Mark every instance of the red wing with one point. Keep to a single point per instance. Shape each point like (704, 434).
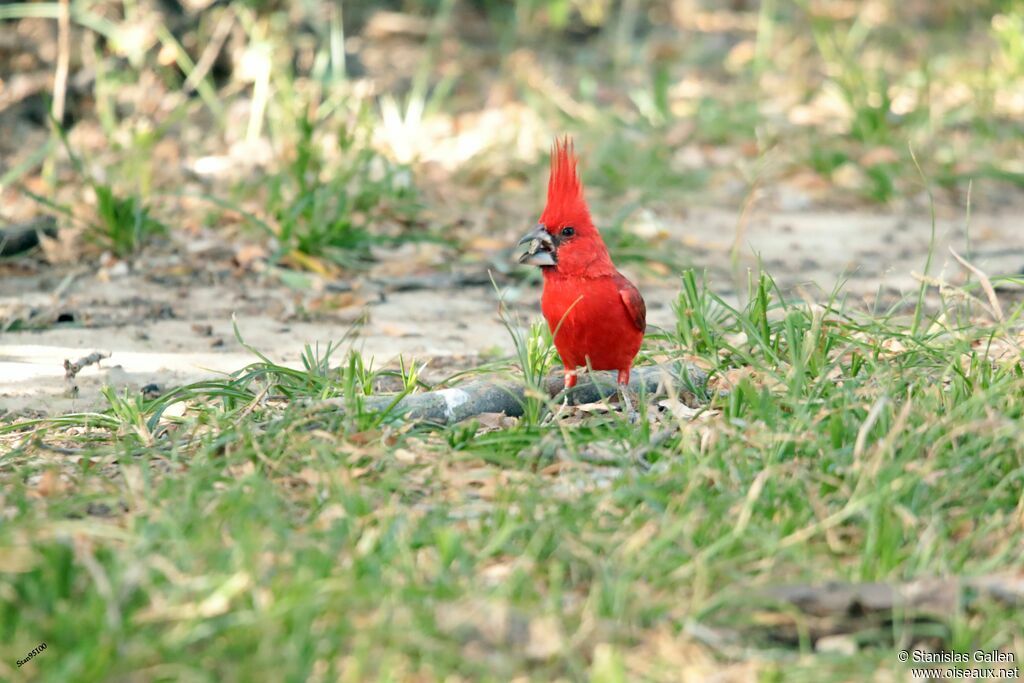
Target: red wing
(635, 305)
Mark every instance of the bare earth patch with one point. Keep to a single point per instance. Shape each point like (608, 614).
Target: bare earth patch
(170, 330)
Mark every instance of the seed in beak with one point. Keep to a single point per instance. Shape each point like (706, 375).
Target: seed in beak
(541, 249)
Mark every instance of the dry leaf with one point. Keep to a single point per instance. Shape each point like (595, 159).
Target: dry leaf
(879, 155)
(405, 456)
(490, 422)
(242, 470)
(313, 478)
(330, 514)
(249, 255)
(66, 247)
(215, 604)
(50, 484)
(499, 626)
(487, 244)
(335, 302)
(301, 261)
(597, 408)
(17, 559)
(678, 409)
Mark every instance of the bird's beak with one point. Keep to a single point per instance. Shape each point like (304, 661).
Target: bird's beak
(541, 251)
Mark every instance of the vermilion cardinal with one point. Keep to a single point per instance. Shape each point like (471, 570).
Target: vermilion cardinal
(597, 317)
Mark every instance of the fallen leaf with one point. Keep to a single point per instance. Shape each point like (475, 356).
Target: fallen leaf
(405, 456)
(487, 244)
(678, 409)
(242, 470)
(17, 559)
(248, 255)
(490, 422)
(50, 484)
(500, 626)
(879, 155)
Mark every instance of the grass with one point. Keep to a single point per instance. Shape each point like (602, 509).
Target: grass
(340, 172)
(122, 221)
(229, 530)
(329, 208)
(224, 530)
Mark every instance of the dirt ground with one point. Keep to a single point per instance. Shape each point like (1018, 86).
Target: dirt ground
(168, 321)
(166, 327)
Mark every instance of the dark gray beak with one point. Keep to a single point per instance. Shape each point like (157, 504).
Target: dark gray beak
(541, 251)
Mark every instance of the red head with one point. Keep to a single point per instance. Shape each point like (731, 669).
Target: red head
(566, 205)
(571, 245)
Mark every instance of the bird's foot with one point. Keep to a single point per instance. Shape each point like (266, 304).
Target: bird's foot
(564, 406)
(556, 416)
(632, 416)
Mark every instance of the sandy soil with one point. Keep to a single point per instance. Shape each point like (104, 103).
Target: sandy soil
(168, 330)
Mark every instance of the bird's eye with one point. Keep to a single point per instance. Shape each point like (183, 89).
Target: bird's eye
(568, 232)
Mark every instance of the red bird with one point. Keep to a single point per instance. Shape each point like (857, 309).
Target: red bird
(597, 317)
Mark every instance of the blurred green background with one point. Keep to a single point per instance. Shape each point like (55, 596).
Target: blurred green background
(329, 127)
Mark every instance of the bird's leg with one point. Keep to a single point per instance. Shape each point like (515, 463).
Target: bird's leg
(570, 382)
(623, 384)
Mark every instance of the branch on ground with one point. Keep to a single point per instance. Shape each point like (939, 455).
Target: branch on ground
(448, 406)
(20, 237)
(412, 283)
(831, 609)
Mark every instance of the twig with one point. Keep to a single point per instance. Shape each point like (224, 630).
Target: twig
(639, 454)
(206, 60)
(838, 608)
(58, 449)
(986, 284)
(411, 283)
(72, 369)
(60, 77)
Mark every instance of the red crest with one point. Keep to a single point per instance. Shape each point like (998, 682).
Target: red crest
(566, 205)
